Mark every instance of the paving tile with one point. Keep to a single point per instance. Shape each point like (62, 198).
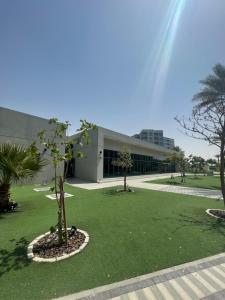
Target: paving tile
(194, 280)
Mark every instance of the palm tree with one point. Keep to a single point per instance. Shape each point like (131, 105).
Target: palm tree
(214, 88)
(16, 163)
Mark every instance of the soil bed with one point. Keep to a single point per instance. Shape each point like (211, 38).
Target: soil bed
(217, 213)
(48, 246)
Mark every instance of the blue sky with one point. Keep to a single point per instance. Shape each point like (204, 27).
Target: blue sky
(122, 64)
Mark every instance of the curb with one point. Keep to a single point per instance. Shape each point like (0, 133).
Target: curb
(31, 255)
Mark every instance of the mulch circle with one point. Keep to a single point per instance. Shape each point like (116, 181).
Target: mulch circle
(217, 213)
(48, 246)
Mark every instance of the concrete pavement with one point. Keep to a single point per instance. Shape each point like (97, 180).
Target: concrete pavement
(141, 182)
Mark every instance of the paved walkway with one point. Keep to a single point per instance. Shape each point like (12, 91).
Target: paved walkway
(215, 194)
(140, 182)
(201, 279)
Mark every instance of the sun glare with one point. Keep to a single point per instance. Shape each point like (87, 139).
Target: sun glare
(156, 69)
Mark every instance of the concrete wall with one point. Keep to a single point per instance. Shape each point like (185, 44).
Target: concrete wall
(86, 167)
(21, 128)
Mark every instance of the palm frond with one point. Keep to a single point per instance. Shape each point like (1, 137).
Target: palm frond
(18, 162)
(214, 88)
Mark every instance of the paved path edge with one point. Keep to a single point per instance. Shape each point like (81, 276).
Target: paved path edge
(132, 284)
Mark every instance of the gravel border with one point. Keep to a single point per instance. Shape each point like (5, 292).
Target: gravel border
(210, 214)
(31, 255)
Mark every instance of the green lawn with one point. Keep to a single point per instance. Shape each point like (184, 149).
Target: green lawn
(206, 182)
(130, 234)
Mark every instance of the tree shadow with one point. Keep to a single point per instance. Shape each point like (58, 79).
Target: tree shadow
(206, 224)
(195, 178)
(113, 192)
(15, 259)
(4, 215)
(170, 182)
(118, 192)
(214, 187)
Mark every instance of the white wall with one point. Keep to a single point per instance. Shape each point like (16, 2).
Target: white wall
(21, 128)
(86, 167)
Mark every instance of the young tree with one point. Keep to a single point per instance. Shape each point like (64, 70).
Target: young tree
(197, 164)
(213, 165)
(177, 149)
(125, 162)
(181, 163)
(207, 121)
(206, 169)
(16, 163)
(211, 161)
(60, 148)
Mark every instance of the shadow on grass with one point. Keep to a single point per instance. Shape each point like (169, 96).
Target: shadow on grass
(173, 182)
(113, 192)
(3, 215)
(195, 178)
(118, 191)
(15, 259)
(215, 187)
(206, 224)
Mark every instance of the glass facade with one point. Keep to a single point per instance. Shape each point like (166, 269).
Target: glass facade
(142, 164)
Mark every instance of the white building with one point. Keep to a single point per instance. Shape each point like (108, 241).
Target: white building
(155, 137)
(148, 158)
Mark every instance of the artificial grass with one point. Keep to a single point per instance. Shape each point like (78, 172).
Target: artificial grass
(205, 182)
(130, 234)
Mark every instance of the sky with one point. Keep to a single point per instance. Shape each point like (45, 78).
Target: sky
(121, 64)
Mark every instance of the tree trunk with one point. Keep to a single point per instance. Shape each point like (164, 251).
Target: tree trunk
(222, 171)
(195, 173)
(59, 202)
(184, 177)
(125, 181)
(62, 200)
(59, 225)
(55, 182)
(181, 177)
(4, 196)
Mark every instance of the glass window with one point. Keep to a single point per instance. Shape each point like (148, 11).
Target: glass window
(142, 164)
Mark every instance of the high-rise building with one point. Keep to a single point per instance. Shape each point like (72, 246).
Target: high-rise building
(168, 143)
(155, 137)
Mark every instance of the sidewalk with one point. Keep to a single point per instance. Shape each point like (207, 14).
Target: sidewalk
(215, 194)
(109, 182)
(200, 279)
(141, 182)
